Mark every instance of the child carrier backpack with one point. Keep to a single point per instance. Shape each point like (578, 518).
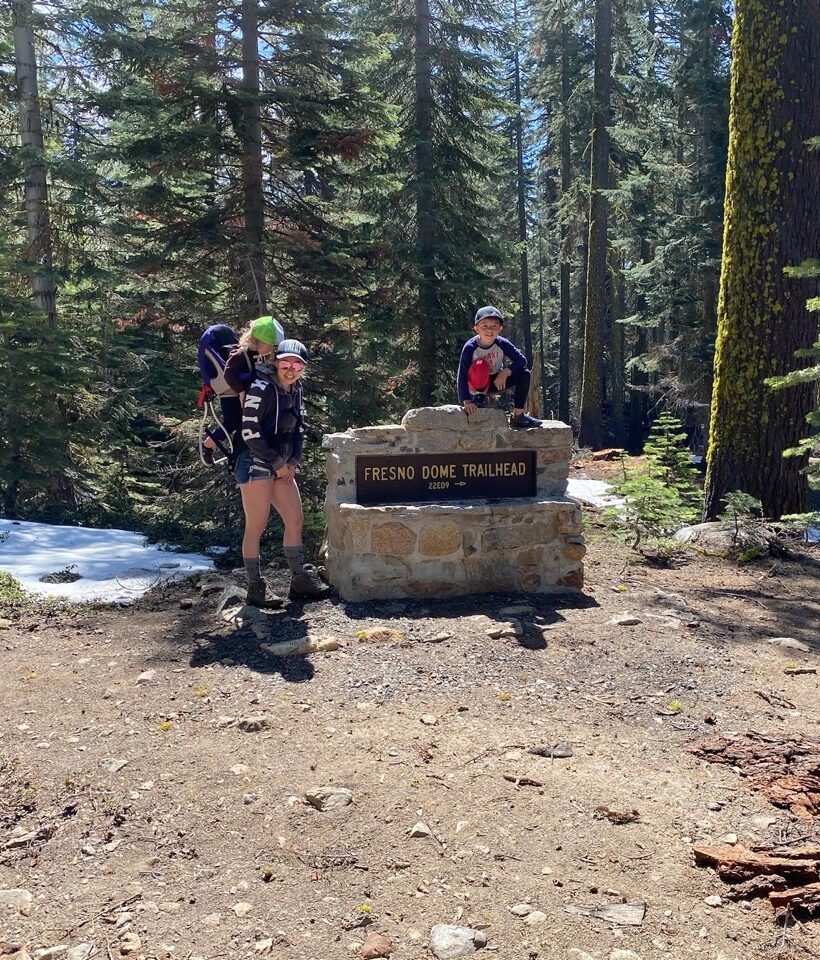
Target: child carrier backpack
(215, 346)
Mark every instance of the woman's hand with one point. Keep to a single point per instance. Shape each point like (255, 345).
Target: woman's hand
(286, 472)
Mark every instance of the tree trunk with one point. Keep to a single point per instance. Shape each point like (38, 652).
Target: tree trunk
(253, 194)
(31, 136)
(772, 220)
(521, 186)
(566, 182)
(427, 313)
(591, 434)
(618, 351)
(638, 379)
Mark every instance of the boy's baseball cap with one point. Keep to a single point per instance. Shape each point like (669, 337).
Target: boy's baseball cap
(483, 312)
(267, 330)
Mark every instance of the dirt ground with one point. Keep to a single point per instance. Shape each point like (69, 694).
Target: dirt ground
(154, 763)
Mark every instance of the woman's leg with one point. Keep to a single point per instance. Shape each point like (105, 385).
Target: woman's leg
(285, 498)
(256, 503)
(305, 583)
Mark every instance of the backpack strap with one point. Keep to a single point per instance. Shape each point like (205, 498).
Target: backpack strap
(218, 383)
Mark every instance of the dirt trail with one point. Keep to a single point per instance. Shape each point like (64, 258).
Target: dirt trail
(154, 763)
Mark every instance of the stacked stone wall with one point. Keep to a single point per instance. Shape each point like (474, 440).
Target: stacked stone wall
(449, 548)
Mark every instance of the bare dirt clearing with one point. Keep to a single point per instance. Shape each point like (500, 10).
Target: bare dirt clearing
(155, 761)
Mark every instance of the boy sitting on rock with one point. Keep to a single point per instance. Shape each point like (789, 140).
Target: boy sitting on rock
(481, 369)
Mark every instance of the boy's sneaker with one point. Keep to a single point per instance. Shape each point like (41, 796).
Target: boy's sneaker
(308, 586)
(524, 421)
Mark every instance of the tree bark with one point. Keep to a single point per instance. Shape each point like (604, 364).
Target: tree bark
(771, 221)
(521, 186)
(36, 189)
(566, 182)
(428, 299)
(591, 433)
(255, 288)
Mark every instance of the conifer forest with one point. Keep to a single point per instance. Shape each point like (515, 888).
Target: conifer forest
(634, 183)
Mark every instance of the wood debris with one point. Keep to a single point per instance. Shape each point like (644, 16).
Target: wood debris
(786, 770)
(788, 876)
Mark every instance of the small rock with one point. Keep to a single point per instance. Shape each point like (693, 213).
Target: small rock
(534, 918)
(263, 946)
(146, 676)
(576, 954)
(438, 637)
(547, 871)
(18, 899)
(249, 798)
(242, 909)
(329, 798)
(212, 920)
(789, 643)
(381, 635)
(623, 955)
(376, 945)
(130, 943)
(448, 942)
(186, 604)
(624, 620)
(113, 764)
(49, 953)
(420, 830)
(713, 901)
(428, 719)
(239, 769)
(254, 724)
(520, 909)
(730, 838)
(83, 951)
(714, 805)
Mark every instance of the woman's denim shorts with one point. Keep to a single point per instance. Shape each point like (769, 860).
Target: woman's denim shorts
(248, 468)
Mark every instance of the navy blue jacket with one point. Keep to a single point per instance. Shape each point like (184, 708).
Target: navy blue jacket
(499, 349)
(272, 422)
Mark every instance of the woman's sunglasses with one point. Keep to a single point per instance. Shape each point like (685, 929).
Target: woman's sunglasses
(290, 365)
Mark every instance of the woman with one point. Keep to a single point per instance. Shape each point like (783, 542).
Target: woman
(273, 429)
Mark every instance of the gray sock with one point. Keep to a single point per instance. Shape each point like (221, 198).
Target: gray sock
(252, 568)
(295, 559)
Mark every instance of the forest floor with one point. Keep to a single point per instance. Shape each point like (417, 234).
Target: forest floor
(154, 764)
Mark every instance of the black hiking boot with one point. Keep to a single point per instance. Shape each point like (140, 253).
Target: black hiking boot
(256, 596)
(524, 421)
(308, 586)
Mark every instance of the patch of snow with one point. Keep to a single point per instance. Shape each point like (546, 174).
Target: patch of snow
(595, 492)
(115, 566)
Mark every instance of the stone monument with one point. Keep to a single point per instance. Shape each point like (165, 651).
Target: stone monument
(444, 504)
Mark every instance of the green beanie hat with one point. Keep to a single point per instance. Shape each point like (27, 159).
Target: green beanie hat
(267, 330)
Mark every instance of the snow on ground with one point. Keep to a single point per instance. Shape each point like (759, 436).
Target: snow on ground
(115, 566)
(595, 492)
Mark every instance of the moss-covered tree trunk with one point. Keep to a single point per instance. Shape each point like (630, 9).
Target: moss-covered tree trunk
(591, 433)
(771, 220)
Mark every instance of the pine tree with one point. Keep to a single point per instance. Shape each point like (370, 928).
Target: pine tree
(772, 221)
(591, 433)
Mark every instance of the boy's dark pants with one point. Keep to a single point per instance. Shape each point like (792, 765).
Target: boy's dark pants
(520, 383)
